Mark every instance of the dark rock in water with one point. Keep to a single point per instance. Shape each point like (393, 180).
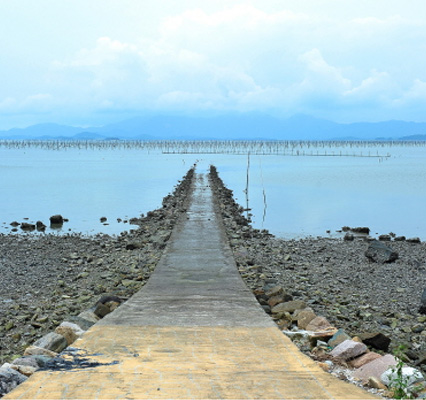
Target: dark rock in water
(56, 220)
(380, 253)
(422, 309)
(362, 229)
(385, 238)
(346, 229)
(414, 240)
(349, 237)
(15, 224)
(376, 340)
(25, 226)
(399, 239)
(40, 226)
(103, 219)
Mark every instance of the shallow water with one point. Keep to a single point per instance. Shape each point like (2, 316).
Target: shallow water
(292, 196)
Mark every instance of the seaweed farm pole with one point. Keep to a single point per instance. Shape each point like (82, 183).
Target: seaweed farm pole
(247, 183)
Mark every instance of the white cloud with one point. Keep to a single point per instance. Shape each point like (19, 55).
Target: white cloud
(381, 22)
(244, 15)
(235, 56)
(378, 87)
(323, 84)
(415, 95)
(8, 104)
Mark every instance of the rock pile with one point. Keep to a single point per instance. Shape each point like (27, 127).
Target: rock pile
(41, 353)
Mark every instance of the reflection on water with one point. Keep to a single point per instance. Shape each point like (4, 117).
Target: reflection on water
(297, 194)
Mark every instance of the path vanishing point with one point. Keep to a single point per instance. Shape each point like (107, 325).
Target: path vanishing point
(194, 331)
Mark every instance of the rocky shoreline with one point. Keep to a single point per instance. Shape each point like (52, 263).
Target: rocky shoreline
(47, 278)
(335, 278)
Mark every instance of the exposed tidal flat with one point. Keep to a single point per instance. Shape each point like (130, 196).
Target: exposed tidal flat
(48, 277)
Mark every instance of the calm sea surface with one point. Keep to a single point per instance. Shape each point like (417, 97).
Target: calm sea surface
(291, 195)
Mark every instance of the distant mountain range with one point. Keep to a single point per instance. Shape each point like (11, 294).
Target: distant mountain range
(249, 126)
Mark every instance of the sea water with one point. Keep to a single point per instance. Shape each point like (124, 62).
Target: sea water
(292, 194)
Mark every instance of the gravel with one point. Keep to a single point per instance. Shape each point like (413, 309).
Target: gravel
(47, 278)
(335, 277)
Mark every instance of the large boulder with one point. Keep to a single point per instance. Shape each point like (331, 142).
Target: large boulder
(380, 253)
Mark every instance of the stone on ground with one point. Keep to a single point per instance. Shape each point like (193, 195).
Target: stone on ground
(53, 342)
(409, 376)
(380, 253)
(375, 368)
(348, 350)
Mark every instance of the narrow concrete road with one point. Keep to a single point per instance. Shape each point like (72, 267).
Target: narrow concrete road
(193, 332)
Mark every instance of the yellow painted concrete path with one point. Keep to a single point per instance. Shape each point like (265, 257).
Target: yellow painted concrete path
(193, 332)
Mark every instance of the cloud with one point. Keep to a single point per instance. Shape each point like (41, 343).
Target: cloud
(8, 104)
(227, 56)
(243, 15)
(415, 95)
(35, 103)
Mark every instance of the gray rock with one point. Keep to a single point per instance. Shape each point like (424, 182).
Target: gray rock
(9, 379)
(349, 237)
(77, 330)
(53, 342)
(304, 317)
(339, 337)
(41, 360)
(422, 309)
(348, 349)
(380, 253)
(289, 306)
(101, 310)
(83, 323)
(409, 376)
(89, 315)
(27, 361)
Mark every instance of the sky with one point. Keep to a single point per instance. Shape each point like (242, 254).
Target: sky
(92, 62)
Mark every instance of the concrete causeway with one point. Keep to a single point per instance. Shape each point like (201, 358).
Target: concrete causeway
(195, 331)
